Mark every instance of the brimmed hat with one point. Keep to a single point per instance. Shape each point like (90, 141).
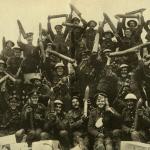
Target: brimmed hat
(9, 41)
(36, 76)
(58, 26)
(59, 65)
(123, 66)
(92, 21)
(57, 101)
(17, 49)
(101, 93)
(108, 31)
(130, 96)
(29, 34)
(128, 23)
(107, 50)
(75, 19)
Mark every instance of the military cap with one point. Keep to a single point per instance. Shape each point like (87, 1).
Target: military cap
(106, 50)
(9, 41)
(75, 97)
(85, 52)
(29, 34)
(135, 22)
(92, 21)
(123, 66)
(57, 101)
(75, 19)
(58, 26)
(2, 62)
(130, 96)
(60, 64)
(36, 76)
(14, 98)
(33, 92)
(17, 49)
(108, 31)
(101, 93)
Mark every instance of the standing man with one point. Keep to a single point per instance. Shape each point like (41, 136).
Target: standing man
(89, 34)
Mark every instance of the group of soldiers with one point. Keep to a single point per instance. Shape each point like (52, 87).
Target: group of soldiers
(80, 85)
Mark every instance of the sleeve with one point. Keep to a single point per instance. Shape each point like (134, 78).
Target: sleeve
(21, 45)
(50, 31)
(91, 129)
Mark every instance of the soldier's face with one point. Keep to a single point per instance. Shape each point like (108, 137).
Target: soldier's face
(108, 35)
(29, 39)
(101, 101)
(17, 54)
(76, 22)
(60, 71)
(131, 104)
(75, 103)
(58, 108)
(13, 105)
(37, 82)
(2, 67)
(59, 30)
(34, 98)
(132, 24)
(127, 33)
(9, 45)
(124, 72)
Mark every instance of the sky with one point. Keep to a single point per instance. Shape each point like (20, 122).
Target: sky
(32, 12)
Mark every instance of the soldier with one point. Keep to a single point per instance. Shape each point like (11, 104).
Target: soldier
(127, 39)
(42, 89)
(135, 28)
(76, 37)
(58, 38)
(13, 63)
(8, 51)
(100, 123)
(13, 116)
(78, 124)
(57, 124)
(60, 85)
(107, 42)
(89, 34)
(135, 121)
(31, 55)
(33, 112)
(141, 76)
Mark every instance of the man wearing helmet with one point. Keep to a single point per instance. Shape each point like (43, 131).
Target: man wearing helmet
(60, 85)
(56, 123)
(135, 121)
(33, 112)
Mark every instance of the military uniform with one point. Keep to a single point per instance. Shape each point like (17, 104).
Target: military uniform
(101, 132)
(35, 118)
(59, 39)
(78, 127)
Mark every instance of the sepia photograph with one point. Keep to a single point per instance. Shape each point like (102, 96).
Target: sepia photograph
(75, 75)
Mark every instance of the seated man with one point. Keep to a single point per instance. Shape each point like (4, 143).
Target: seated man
(78, 124)
(33, 113)
(57, 124)
(100, 123)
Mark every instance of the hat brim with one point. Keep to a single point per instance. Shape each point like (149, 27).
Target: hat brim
(73, 19)
(112, 35)
(10, 42)
(128, 23)
(93, 22)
